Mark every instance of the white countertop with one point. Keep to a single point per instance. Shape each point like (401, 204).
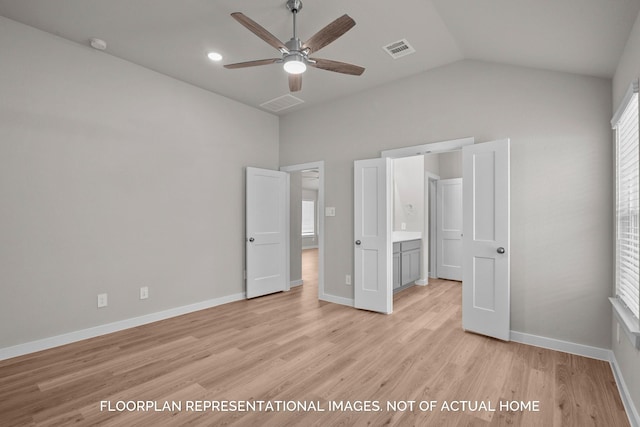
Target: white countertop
(403, 236)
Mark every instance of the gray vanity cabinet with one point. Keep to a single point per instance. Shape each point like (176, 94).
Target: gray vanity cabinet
(406, 263)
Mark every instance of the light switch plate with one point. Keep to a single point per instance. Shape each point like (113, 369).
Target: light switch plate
(330, 211)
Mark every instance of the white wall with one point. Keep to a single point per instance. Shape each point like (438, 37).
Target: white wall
(114, 177)
(408, 197)
(561, 177)
(628, 357)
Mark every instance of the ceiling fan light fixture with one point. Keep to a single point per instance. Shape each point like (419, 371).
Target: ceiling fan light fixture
(294, 64)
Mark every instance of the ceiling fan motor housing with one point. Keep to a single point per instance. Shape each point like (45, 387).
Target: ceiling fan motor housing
(294, 45)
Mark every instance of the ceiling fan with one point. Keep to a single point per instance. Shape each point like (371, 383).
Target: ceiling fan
(295, 53)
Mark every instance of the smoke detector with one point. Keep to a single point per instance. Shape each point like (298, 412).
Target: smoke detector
(98, 44)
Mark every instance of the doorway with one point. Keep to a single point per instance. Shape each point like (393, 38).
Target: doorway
(309, 229)
(307, 226)
(485, 243)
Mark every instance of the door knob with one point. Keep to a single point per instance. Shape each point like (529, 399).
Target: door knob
(358, 242)
(500, 250)
(251, 239)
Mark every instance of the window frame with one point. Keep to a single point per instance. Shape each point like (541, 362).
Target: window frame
(621, 303)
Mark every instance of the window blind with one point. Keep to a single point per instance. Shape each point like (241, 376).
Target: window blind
(628, 203)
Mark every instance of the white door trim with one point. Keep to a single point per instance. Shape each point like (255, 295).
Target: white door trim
(430, 148)
(432, 196)
(320, 166)
(429, 235)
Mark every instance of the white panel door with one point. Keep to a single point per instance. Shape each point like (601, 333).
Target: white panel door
(373, 189)
(449, 231)
(267, 238)
(485, 285)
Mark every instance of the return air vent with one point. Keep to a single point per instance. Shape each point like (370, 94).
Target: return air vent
(399, 49)
(281, 103)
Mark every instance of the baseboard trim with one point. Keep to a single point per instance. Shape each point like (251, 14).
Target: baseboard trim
(83, 334)
(295, 283)
(627, 401)
(422, 282)
(336, 299)
(586, 351)
(559, 345)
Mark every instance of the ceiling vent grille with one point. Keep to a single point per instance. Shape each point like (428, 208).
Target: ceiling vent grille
(399, 49)
(281, 103)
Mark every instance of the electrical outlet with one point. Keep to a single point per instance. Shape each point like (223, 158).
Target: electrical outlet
(347, 279)
(403, 226)
(144, 292)
(102, 300)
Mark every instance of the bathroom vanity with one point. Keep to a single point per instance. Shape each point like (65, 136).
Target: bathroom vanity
(406, 258)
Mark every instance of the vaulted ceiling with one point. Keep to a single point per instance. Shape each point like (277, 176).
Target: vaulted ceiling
(173, 37)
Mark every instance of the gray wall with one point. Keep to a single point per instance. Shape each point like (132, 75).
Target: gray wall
(114, 177)
(561, 220)
(450, 165)
(627, 356)
(432, 163)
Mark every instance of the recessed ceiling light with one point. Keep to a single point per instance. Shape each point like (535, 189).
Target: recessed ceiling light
(214, 56)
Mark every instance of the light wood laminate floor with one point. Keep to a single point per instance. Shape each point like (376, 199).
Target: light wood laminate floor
(291, 347)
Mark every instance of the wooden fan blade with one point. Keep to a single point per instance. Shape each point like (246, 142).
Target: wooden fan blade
(329, 33)
(295, 82)
(259, 31)
(252, 63)
(337, 66)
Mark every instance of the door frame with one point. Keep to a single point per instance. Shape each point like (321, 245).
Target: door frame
(431, 239)
(320, 167)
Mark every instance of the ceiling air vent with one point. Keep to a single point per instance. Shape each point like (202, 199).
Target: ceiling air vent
(399, 49)
(281, 103)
